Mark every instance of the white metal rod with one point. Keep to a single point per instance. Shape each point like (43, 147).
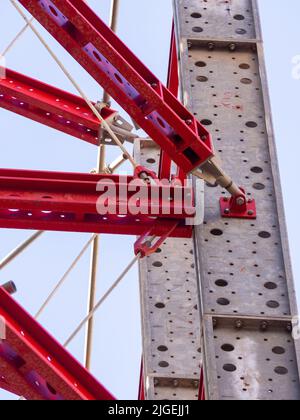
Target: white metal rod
(95, 246)
(64, 277)
(21, 248)
(101, 301)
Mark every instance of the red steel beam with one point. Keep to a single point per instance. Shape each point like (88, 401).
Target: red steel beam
(51, 106)
(35, 366)
(165, 164)
(68, 202)
(107, 59)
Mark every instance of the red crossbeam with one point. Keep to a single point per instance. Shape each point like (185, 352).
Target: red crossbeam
(107, 59)
(68, 202)
(51, 106)
(33, 365)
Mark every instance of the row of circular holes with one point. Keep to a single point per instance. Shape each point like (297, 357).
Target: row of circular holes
(244, 80)
(245, 66)
(48, 114)
(251, 124)
(278, 350)
(161, 305)
(269, 285)
(224, 283)
(238, 17)
(247, 81)
(58, 100)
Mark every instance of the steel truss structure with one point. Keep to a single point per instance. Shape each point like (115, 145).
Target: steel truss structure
(202, 335)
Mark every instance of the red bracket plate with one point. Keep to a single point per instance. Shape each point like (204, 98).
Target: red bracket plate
(33, 365)
(231, 208)
(142, 245)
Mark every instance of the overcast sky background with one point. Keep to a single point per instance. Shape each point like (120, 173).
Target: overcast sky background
(145, 27)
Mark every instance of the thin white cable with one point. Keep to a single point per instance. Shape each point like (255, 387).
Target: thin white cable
(101, 301)
(64, 277)
(76, 85)
(16, 38)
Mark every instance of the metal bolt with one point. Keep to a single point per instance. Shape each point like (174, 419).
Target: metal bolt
(10, 287)
(289, 328)
(189, 44)
(226, 211)
(239, 324)
(196, 384)
(189, 122)
(156, 382)
(154, 85)
(250, 212)
(232, 47)
(240, 201)
(175, 383)
(211, 46)
(215, 323)
(264, 326)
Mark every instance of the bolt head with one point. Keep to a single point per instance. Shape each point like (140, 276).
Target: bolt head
(240, 201)
(226, 211)
(264, 326)
(239, 324)
(196, 384)
(250, 212)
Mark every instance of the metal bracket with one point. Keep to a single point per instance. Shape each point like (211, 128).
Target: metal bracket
(121, 128)
(144, 247)
(145, 174)
(238, 207)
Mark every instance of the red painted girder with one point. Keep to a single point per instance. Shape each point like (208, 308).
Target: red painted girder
(107, 59)
(51, 106)
(165, 164)
(67, 202)
(35, 366)
(142, 396)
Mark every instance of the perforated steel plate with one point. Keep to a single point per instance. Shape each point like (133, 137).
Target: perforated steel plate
(243, 266)
(170, 312)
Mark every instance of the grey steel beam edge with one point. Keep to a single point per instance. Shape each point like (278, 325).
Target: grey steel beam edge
(248, 301)
(170, 312)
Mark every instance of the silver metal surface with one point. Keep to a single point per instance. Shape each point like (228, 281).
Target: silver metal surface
(170, 312)
(243, 267)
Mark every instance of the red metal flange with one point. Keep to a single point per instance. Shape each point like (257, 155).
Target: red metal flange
(145, 174)
(144, 246)
(238, 207)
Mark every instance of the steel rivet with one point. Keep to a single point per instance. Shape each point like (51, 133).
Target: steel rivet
(264, 326)
(239, 324)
